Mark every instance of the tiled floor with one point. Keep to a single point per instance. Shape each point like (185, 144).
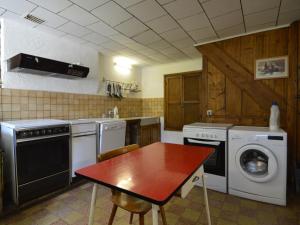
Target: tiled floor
(71, 208)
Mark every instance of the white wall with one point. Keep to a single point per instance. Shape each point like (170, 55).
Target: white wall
(153, 76)
(19, 38)
(153, 87)
(108, 71)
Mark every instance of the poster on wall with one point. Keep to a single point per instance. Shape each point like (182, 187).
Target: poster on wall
(268, 68)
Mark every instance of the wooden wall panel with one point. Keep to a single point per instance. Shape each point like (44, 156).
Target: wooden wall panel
(231, 103)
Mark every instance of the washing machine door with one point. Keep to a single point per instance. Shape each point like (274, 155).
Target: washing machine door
(257, 163)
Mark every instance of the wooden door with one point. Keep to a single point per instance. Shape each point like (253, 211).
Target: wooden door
(173, 102)
(191, 97)
(182, 99)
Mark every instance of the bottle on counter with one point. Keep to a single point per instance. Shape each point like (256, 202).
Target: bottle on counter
(116, 112)
(274, 122)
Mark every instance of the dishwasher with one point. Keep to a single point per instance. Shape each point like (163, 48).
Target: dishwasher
(111, 135)
(84, 144)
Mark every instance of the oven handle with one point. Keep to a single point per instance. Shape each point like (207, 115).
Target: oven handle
(214, 143)
(41, 137)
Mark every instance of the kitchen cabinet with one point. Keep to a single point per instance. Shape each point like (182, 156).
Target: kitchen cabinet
(149, 134)
(182, 99)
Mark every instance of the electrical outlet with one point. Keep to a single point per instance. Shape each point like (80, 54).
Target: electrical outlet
(209, 112)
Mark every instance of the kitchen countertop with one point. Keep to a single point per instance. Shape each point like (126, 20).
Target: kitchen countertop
(145, 120)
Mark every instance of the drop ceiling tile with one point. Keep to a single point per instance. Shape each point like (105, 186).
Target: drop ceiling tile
(227, 20)
(2, 11)
(163, 2)
(20, 7)
(147, 10)
(111, 13)
(174, 35)
(53, 5)
(78, 15)
(74, 38)
(289, 5)
(16, 17)
(131, 27)
(127, 3)
(51, 19)
(89, 4)
(135, 46)
(215, 8)
(147, 37)
(159, 45)
(50, 30)
(194, 22)
(102, 28)
(112, 45)
(122, 39)
(260, 26)
(183, 8)
(261, 17)
(95, 38)
(148, 52)
(231, 31)
(162, 24)
(208, 39)
(170, 51)
(203, 33)
(258, 5)
(74, 29)
(187, 42)
(288, 17)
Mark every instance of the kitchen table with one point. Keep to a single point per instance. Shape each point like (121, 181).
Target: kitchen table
(153, 173)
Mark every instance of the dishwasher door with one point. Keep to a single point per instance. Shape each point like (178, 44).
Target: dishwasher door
(112, 135)
(84, 151)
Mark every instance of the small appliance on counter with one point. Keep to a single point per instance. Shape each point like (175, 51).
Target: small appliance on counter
(37, 158)
(211, 135)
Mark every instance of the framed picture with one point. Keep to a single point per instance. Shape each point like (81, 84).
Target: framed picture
(276, 67)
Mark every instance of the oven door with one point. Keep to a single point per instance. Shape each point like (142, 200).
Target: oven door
(216, 163)
(41, 158)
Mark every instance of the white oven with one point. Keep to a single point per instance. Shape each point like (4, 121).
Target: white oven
(215, 136)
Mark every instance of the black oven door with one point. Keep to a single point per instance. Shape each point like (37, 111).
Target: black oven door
(41, 158)
(216, 163)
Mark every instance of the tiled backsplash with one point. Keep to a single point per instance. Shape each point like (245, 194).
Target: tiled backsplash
(153, 107)
(27, 104)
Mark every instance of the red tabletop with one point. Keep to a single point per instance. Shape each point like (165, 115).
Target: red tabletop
(154, 172)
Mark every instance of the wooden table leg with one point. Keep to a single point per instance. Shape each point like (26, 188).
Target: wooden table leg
(206, 200)
(155, 209)
(93, 204)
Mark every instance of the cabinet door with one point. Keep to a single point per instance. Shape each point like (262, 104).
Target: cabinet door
(145, 138)
(173, 102)
(191, 97)
(155, 133)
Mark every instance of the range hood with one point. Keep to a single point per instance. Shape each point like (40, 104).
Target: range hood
(25, 63)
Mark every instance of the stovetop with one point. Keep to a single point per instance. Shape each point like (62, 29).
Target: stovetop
(220, 126)
(27, 124)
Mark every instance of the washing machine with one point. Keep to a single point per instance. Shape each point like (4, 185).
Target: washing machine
(257, 165)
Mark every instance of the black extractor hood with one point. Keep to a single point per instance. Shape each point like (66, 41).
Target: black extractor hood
(25, 63)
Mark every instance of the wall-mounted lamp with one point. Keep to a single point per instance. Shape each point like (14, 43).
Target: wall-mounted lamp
(123, 65)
